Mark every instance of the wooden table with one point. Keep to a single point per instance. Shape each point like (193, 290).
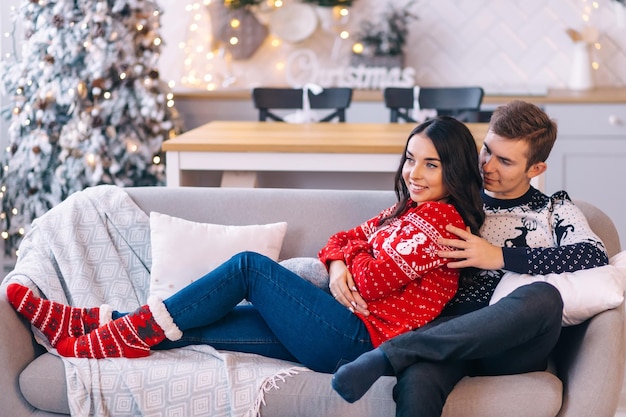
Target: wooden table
(242, 149)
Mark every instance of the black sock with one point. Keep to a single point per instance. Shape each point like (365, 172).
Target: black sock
(353, 379)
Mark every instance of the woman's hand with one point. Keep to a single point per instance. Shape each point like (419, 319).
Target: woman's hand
(471, 250)
(344, 290)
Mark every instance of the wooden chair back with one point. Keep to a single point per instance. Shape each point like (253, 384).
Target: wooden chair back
(266, 99)
(462, 103)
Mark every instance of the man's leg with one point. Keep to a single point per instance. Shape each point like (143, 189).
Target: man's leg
(529, 316)
(423, 387)
(527, 322)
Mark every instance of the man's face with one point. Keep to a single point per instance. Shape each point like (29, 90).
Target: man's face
(503, 163)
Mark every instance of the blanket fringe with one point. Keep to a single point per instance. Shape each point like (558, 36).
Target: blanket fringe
(270, 383)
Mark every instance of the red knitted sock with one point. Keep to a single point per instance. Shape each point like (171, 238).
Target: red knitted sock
(57, 321)
(130, 336)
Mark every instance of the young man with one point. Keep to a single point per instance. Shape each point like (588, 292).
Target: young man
(522, 233)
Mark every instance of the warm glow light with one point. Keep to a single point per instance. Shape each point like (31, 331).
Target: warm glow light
(275, 42)
(193, 27)
(233, 40)
(14, 211)
(280, 66)
(156, 160)
(107, 95)
(597, 45)
(595, 65)
(5, 235)
(344, 12)
(139, 27)
(235, 23)
(157, 41)
(344, 34)
(357, 48)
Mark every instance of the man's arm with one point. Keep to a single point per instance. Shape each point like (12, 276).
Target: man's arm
(575, 247)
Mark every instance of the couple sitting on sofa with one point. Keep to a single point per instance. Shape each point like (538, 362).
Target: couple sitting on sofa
(394, 279)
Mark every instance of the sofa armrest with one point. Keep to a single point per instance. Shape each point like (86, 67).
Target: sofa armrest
(17, 349)
(590, 362)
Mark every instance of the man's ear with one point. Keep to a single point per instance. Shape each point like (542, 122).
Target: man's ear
(536, 169)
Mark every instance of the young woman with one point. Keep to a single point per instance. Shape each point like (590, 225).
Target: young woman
(392, 259)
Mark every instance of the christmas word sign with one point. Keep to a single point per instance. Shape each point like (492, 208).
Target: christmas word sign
(303, 67)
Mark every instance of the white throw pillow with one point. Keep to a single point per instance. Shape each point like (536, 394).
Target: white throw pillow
(183, 251)
(585, 293)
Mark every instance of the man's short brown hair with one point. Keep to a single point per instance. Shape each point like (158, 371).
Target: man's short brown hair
(519, 120)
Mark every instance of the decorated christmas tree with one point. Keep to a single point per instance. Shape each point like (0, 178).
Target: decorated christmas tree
(87, 106)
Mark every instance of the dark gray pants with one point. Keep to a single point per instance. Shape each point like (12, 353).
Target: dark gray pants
(514, 335)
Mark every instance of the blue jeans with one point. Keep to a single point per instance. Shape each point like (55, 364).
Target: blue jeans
(290, 318)
(514, 335)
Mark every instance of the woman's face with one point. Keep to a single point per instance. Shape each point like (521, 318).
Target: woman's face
(422, 171)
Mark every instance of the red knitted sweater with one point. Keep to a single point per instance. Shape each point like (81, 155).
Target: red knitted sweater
(396, 268)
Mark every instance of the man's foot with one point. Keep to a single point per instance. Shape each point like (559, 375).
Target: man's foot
(56, 321)
(353, 380)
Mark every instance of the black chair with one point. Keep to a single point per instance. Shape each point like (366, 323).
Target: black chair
(267, 99)
(462, 103)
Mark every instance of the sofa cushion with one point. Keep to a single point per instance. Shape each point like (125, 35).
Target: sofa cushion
(310, 269)
(309, 394)
(183, 251)
(43, 384)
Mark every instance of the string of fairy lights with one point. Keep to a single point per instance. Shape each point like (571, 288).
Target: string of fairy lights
(207, 62)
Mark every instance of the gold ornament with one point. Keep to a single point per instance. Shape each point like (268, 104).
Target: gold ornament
(81, 89)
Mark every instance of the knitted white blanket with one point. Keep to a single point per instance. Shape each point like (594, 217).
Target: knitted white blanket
(94, 248)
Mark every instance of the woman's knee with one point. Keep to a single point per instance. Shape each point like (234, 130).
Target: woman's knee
(246, 257)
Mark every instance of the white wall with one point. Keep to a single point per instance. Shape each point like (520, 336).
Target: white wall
(504, 46)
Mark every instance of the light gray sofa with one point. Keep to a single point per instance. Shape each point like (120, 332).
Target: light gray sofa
(588, 361)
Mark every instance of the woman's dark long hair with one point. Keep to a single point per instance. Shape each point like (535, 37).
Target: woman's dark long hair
(459, 159)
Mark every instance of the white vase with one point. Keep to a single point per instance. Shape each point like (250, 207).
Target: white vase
(581, 76)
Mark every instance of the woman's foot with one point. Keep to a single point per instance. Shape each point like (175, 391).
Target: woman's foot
(130, 336)
(55, 320)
